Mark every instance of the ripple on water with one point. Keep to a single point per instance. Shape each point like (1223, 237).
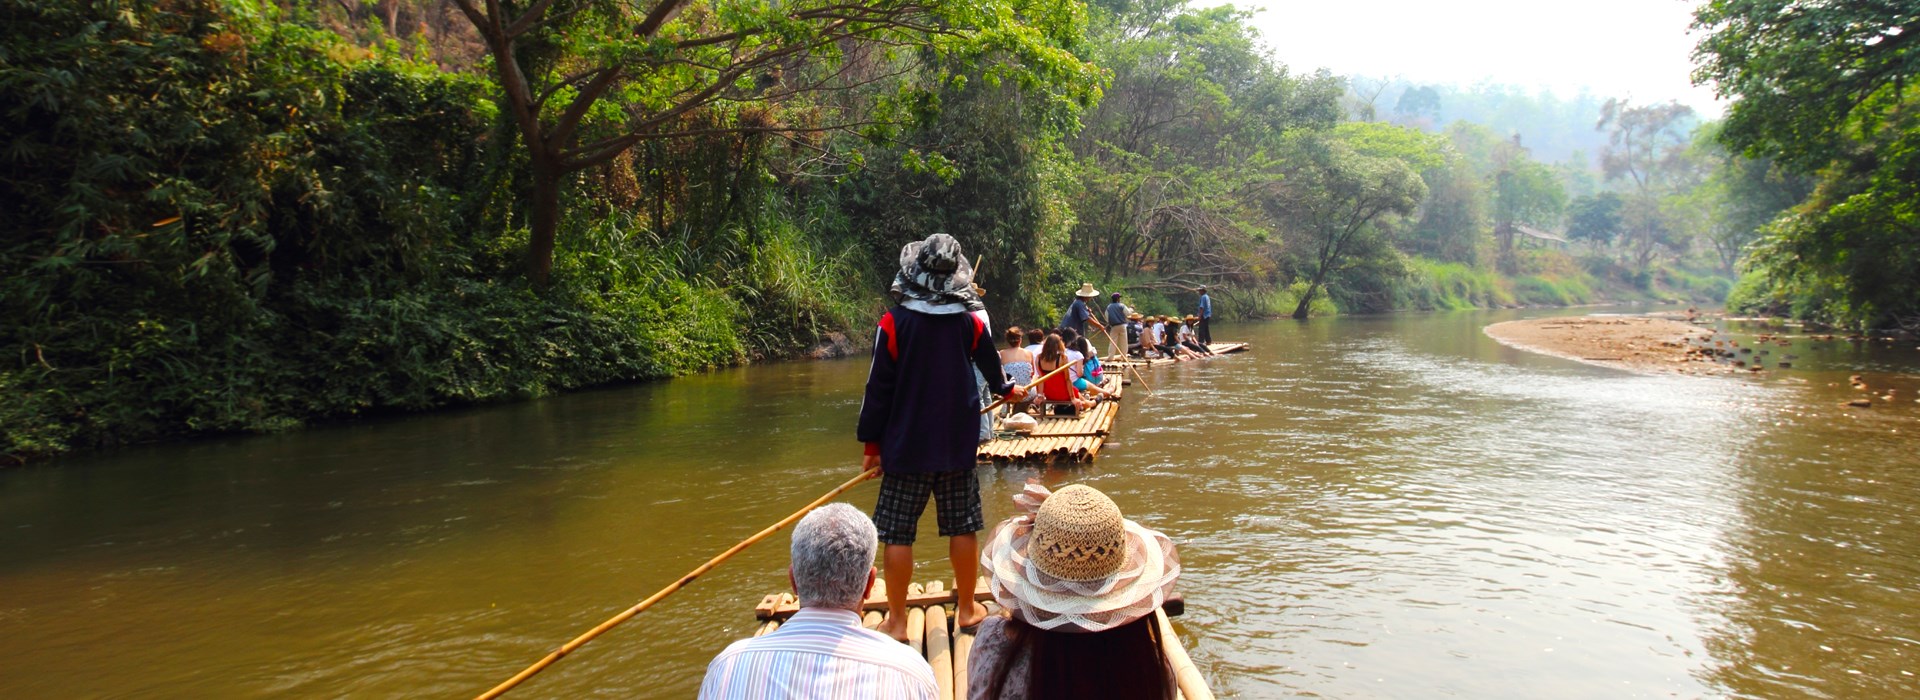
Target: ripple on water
(1385, 507)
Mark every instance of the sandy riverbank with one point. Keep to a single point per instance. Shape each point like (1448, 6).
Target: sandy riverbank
(1635, 343)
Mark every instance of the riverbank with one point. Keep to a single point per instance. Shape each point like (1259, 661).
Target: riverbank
(1633, 343)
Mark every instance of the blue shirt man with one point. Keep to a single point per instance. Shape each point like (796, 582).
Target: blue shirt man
(1078, 313)
(1205, 331)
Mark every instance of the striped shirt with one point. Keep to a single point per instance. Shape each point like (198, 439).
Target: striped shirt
(819, 654)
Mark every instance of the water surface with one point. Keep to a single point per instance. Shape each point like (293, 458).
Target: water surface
(1387, 507)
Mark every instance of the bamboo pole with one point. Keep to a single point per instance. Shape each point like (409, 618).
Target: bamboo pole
(917, 623)
(1192, 685)
(940, 644)
(640, 607)
(1003, 400)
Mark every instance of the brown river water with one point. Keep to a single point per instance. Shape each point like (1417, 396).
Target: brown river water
(1375, 507)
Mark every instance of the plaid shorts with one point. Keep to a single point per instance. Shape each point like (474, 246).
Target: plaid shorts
(903, 497)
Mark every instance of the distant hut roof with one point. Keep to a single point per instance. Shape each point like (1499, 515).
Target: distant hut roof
(1537, 233)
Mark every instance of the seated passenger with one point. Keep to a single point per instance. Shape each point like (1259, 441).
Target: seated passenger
(1135, 330)
(1079, 585)
(1058, 388)
(822, 651)
(1092, 373)
(1035, 337)
(1190, 338)
(1017, 363)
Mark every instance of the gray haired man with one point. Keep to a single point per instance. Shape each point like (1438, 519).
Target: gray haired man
(822, 652)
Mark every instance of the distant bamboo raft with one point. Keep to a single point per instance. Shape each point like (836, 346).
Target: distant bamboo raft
(931, 632)
(1217, 348)
(1076, 438)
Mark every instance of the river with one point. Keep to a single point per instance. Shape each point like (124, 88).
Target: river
(1371, 507)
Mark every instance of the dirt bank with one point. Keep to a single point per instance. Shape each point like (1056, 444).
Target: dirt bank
(1634, 343)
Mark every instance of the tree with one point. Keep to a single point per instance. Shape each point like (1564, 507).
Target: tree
(1175, 157)
(1646, 145)
(1418, 105)
(1828, 89)
(584, 81)
(1738, 195)
(1342, 188)
(1525, 192)
(1807, 77)
(1595, 219)
(1453, 219)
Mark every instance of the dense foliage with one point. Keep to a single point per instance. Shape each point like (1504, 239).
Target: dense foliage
(242, 215)
(1827, 91)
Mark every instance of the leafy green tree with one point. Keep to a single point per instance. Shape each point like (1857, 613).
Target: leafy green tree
(582, 81)
(1453, 221)
(1646, 147)
(1807, 77)
(1343, 189)
(1525, 193)
(1173, 159)
(1595, 219)
(1419, 104)
(1737, 195)
(1828, 89)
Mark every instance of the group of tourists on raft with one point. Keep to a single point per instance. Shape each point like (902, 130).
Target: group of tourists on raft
(1034, 352)
(1077, 584)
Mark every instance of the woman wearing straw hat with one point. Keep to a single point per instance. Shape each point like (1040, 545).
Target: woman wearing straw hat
(1080, 585)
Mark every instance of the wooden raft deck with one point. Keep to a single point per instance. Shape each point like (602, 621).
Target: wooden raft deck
(930, 631)
(1071, 438)
(1218, 349)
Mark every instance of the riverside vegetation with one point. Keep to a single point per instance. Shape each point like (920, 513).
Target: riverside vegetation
(243, 215)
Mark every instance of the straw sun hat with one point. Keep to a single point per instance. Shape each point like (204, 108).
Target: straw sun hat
(1087, 290)
(1071, 563)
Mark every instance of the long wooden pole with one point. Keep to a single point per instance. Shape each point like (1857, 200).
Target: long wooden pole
(1186, 676)
(628, 614)
(1003, 400)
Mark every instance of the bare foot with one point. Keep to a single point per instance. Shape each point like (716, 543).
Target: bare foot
(895, 628)
(970, 615)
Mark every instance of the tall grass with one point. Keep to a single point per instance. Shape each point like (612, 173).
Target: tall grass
(1432, 285)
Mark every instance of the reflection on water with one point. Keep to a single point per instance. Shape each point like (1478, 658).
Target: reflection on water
(1391, 507)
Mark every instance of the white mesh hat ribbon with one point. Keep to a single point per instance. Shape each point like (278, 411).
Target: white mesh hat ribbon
(1078, 532)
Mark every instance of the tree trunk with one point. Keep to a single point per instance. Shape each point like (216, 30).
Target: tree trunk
(545, 225)
(1306, 300)
(1300, 312)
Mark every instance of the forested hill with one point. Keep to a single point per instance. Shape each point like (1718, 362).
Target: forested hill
(243, 215)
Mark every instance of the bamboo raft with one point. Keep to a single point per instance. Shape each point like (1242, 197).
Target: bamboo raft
(1217, 348)
(930, 631)
(1076, 438)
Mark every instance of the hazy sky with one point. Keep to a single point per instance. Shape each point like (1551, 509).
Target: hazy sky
(1630, 48)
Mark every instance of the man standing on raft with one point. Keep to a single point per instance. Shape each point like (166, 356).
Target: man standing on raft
(920, 418)
(1206, 318)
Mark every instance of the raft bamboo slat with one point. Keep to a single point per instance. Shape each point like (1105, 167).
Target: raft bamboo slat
(948, 649)
(917, 622)
(939, 644)
(1074, 438)
(781, 606)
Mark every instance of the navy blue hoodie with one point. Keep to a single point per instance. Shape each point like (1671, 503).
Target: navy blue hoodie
(922, 409)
